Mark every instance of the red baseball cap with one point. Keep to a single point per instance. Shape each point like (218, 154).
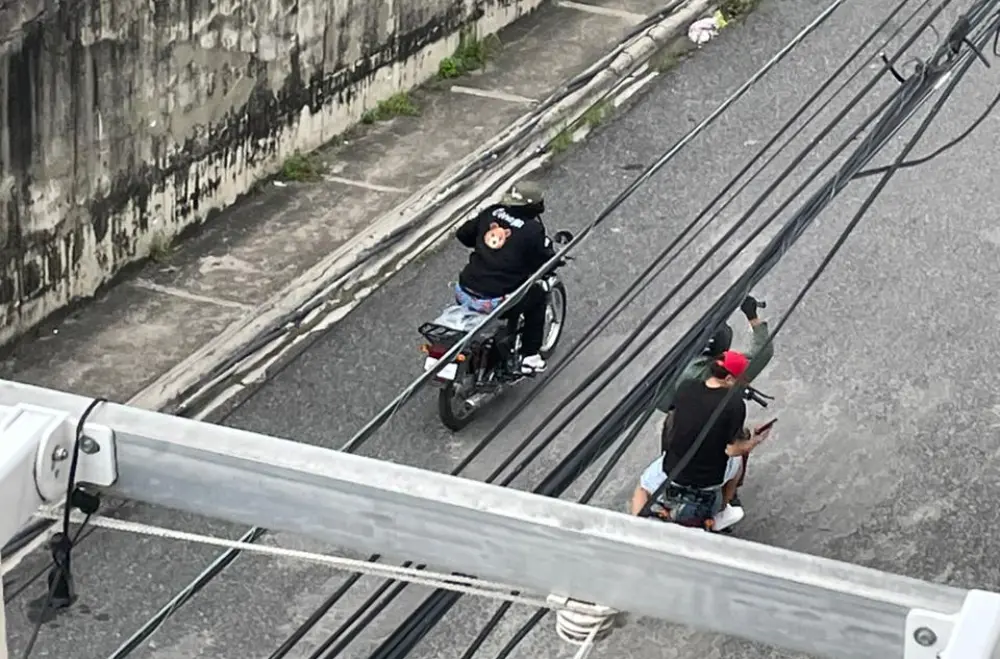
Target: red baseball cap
(734, 362)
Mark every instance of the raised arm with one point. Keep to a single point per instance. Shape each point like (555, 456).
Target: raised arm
(762, 349)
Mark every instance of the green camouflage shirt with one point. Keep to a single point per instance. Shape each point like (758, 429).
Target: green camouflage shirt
(759, 354)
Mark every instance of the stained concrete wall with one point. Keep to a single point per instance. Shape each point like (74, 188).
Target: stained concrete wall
(123, 122)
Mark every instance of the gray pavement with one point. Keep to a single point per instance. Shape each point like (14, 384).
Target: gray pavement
(884, 378)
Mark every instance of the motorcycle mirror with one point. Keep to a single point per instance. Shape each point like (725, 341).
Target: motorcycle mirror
(562, 237)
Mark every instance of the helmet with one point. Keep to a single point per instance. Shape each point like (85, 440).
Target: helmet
(524, 193)
(720, 342)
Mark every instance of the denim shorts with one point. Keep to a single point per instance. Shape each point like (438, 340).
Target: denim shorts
(693, 505)
(653, 476)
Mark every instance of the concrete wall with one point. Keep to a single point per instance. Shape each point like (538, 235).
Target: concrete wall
(122, 122)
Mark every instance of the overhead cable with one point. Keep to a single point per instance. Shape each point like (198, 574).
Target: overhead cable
(379, 419)
(644, 280)
(632, 346)
(434, 607)
(890, 170)
(366, 432)
(914, 92)
(520, 468)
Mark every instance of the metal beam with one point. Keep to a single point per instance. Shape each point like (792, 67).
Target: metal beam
(790, 600)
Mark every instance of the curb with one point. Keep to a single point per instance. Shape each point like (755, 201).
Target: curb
(240, 357)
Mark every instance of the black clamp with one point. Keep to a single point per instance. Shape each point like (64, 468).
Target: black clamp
(959, 35)
(62, 588)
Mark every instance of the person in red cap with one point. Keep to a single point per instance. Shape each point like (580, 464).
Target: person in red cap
(702, 485)
(760, 353)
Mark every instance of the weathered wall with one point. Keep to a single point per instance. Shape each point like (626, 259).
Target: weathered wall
(126, 121)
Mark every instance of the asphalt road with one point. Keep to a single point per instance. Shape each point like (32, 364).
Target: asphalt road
(885, 377)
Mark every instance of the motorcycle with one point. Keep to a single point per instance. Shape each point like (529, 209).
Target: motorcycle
(726, 519)
(491, 362)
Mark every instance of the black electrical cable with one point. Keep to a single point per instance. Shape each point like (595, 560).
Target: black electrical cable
(379, 419)
(913, 93)
(443, 608)
(60, 574)
(522, 633)
(25, 536)
(537, 617)
(296, 637)
(899, 163)
(440, 608)
(345, 634)
(437, 605)
(617, 419)
(430, 612)
(602, 370)
(524, 464)
(661, 262)
(84, 532)
(937, 152)
(484, 633)
(630, 345)
(331, 601)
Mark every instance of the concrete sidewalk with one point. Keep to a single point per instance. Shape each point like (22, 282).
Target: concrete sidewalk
(150, 322)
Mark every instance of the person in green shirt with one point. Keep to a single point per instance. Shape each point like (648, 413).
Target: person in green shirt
(760, 353)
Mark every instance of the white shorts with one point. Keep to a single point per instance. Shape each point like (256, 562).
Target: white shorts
(654, 477)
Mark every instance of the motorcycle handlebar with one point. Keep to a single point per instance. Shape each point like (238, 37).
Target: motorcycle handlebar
(757, 396)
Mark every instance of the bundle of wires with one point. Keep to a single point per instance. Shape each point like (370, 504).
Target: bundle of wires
(637, 406)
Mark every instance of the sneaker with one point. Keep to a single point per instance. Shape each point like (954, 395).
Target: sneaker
(532, 364)
(727, 517)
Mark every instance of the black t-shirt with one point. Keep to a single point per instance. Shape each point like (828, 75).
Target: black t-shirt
(694, 405)
(508, 248)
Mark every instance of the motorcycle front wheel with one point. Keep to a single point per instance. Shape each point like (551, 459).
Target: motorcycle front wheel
(555, 319)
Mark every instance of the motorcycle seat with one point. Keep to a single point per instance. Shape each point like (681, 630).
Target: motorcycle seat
(458, 318)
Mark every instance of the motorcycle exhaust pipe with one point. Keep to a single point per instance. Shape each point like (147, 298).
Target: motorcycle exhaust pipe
(475, 401)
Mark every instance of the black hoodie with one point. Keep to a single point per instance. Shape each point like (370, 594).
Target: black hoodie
(508, 247)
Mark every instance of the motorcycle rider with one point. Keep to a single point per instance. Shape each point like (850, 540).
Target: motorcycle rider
(509, 245)
(759, 355)
(707, 484)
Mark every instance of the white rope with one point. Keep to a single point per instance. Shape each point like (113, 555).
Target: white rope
(588, 645)
(456, 583)
(582, 623)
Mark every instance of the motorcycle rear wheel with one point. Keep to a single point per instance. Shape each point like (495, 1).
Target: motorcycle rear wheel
(453, 407)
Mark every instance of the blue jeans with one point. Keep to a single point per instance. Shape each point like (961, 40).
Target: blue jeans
(477, 304)
(531, 308)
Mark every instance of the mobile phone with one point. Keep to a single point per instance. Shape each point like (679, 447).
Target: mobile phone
(767, 426)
